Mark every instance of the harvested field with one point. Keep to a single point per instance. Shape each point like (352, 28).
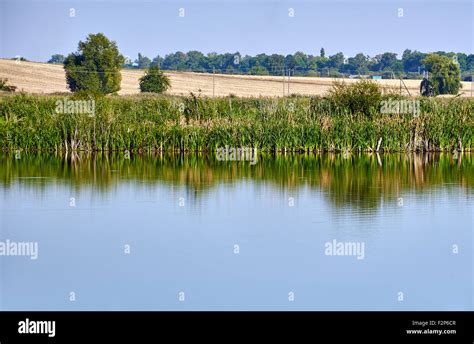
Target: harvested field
(34, 77)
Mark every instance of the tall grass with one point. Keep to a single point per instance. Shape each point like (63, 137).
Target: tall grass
(195, 123)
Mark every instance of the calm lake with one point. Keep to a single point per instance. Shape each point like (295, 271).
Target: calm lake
(295, 232)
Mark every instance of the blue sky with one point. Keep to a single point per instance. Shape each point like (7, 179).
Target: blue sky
(36, 29)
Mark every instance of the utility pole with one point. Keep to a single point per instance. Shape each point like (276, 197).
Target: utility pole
(283, 72)
(213, 82)
(289, 71)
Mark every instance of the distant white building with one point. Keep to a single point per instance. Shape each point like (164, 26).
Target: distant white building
(358, 76)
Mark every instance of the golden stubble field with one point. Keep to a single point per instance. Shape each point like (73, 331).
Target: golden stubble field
(34, 77)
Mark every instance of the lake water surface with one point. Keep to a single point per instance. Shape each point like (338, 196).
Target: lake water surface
(297, 232)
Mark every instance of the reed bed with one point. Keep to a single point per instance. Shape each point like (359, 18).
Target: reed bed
(194, 123)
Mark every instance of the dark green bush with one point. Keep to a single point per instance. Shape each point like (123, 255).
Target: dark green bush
(154, 80)
(361, 97)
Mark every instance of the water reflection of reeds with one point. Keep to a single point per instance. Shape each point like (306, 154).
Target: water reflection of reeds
(360, 180)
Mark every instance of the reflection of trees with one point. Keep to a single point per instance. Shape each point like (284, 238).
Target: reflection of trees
(356, 180)
(365, 180)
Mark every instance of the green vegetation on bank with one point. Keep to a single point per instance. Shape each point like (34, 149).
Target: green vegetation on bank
(349, 119)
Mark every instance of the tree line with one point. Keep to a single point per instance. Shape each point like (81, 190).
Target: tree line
(386, 65)
(95, 67)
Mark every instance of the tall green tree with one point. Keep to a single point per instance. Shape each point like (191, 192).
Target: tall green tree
(95, 67)
(445, 75)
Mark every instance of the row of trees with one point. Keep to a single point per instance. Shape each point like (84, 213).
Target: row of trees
(97, 63)
(410, 65)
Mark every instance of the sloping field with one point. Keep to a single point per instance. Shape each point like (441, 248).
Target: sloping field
(34, 77)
